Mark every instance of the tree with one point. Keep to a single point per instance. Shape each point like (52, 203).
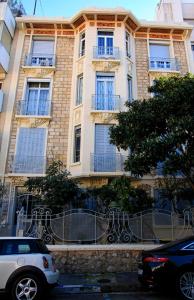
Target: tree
(160, 129)
(121, 194)
(16, 7)
(56, 188)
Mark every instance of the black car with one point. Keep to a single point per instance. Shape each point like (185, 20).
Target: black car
(170, 266)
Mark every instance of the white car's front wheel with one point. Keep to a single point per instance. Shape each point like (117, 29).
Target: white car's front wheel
(26, 287)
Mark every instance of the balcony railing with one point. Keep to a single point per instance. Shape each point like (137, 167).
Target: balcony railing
(107, 162)
(106, 52)
(24, 164)
(43, 60)
(167, 64)
(105, 102)
(34, 108)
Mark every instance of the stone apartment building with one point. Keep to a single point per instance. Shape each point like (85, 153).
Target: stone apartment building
(68, 78)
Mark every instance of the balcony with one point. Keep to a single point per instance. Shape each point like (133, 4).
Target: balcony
(23, 164)
(159, 64)
(106, 58)
(107, 162)
(40, 60)
(4, 59)
(35, 108)
(106, 53)
(105, 102)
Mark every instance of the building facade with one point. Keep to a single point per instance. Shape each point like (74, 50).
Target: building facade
(68, 79)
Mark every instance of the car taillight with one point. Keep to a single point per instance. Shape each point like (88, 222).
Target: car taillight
(156, 259)
(45, 262)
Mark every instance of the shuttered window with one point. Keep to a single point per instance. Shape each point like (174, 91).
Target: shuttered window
(30, 151)
(105, 153)
(43, 47)
(160, 51)
(102, 140)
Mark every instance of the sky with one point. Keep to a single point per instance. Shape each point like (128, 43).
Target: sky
(142, 9)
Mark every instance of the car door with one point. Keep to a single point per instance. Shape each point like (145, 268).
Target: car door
(8, 261)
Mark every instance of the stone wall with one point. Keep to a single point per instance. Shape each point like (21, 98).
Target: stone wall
(61, 98)
(180, 54)
(141, 52)
(98, 258)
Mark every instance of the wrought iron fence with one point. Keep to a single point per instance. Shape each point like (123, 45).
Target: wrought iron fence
(37, 59)
(28, 164)
(105, 102)
(156, 63)
(87, 226)
(107, 162)
(38, 107)
(106, 52)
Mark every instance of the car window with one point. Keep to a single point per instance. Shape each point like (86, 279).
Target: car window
(190, 246)
(15, 247)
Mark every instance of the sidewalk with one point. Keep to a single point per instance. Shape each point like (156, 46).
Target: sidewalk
(106, 283)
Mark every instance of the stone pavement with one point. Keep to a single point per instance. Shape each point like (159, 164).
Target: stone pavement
(104, 282)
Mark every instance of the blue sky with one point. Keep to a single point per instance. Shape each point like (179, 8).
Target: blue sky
(142, 9)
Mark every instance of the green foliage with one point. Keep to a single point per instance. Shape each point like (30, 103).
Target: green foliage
(120, 193)
(160, 129)
(56, 188)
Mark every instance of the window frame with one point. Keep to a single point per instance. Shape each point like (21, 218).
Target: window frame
(82, 43)
(77, 157)
(130, 88)
(128, 44)
(39, 82)
(79, 90)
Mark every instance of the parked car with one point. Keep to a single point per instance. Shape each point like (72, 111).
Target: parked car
(26, 268)
(170, 265)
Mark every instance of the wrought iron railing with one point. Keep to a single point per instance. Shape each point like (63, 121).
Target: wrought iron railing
(105, 102)
(37, 59)
(160, 63)
(28, 164)
(107, 162)
(36, 107)
(106, 52)
(87, 226)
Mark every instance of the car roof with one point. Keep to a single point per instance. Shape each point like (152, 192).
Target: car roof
(17, 238)
(174, 243)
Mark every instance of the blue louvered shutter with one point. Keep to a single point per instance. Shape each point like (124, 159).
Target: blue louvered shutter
(105, 153)
(30, 150)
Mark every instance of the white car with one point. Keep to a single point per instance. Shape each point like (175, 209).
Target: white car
(26, 268)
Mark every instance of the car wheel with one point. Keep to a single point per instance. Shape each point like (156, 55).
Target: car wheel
(26, 287)
(184, 284)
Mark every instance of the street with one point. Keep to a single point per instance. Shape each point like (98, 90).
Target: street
(112, 296)
(60, 294)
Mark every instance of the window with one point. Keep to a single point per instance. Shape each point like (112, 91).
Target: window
(105, 43)
(105, 152)
(192, 48)
(82, 44)
(129, 85)
(105, 98)
(42, 53)
(77, 143)
(127, 43)
(37, 99)
(79, 95)
(0, 85)
(189, 247)
(160, 57)
(30, 151)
